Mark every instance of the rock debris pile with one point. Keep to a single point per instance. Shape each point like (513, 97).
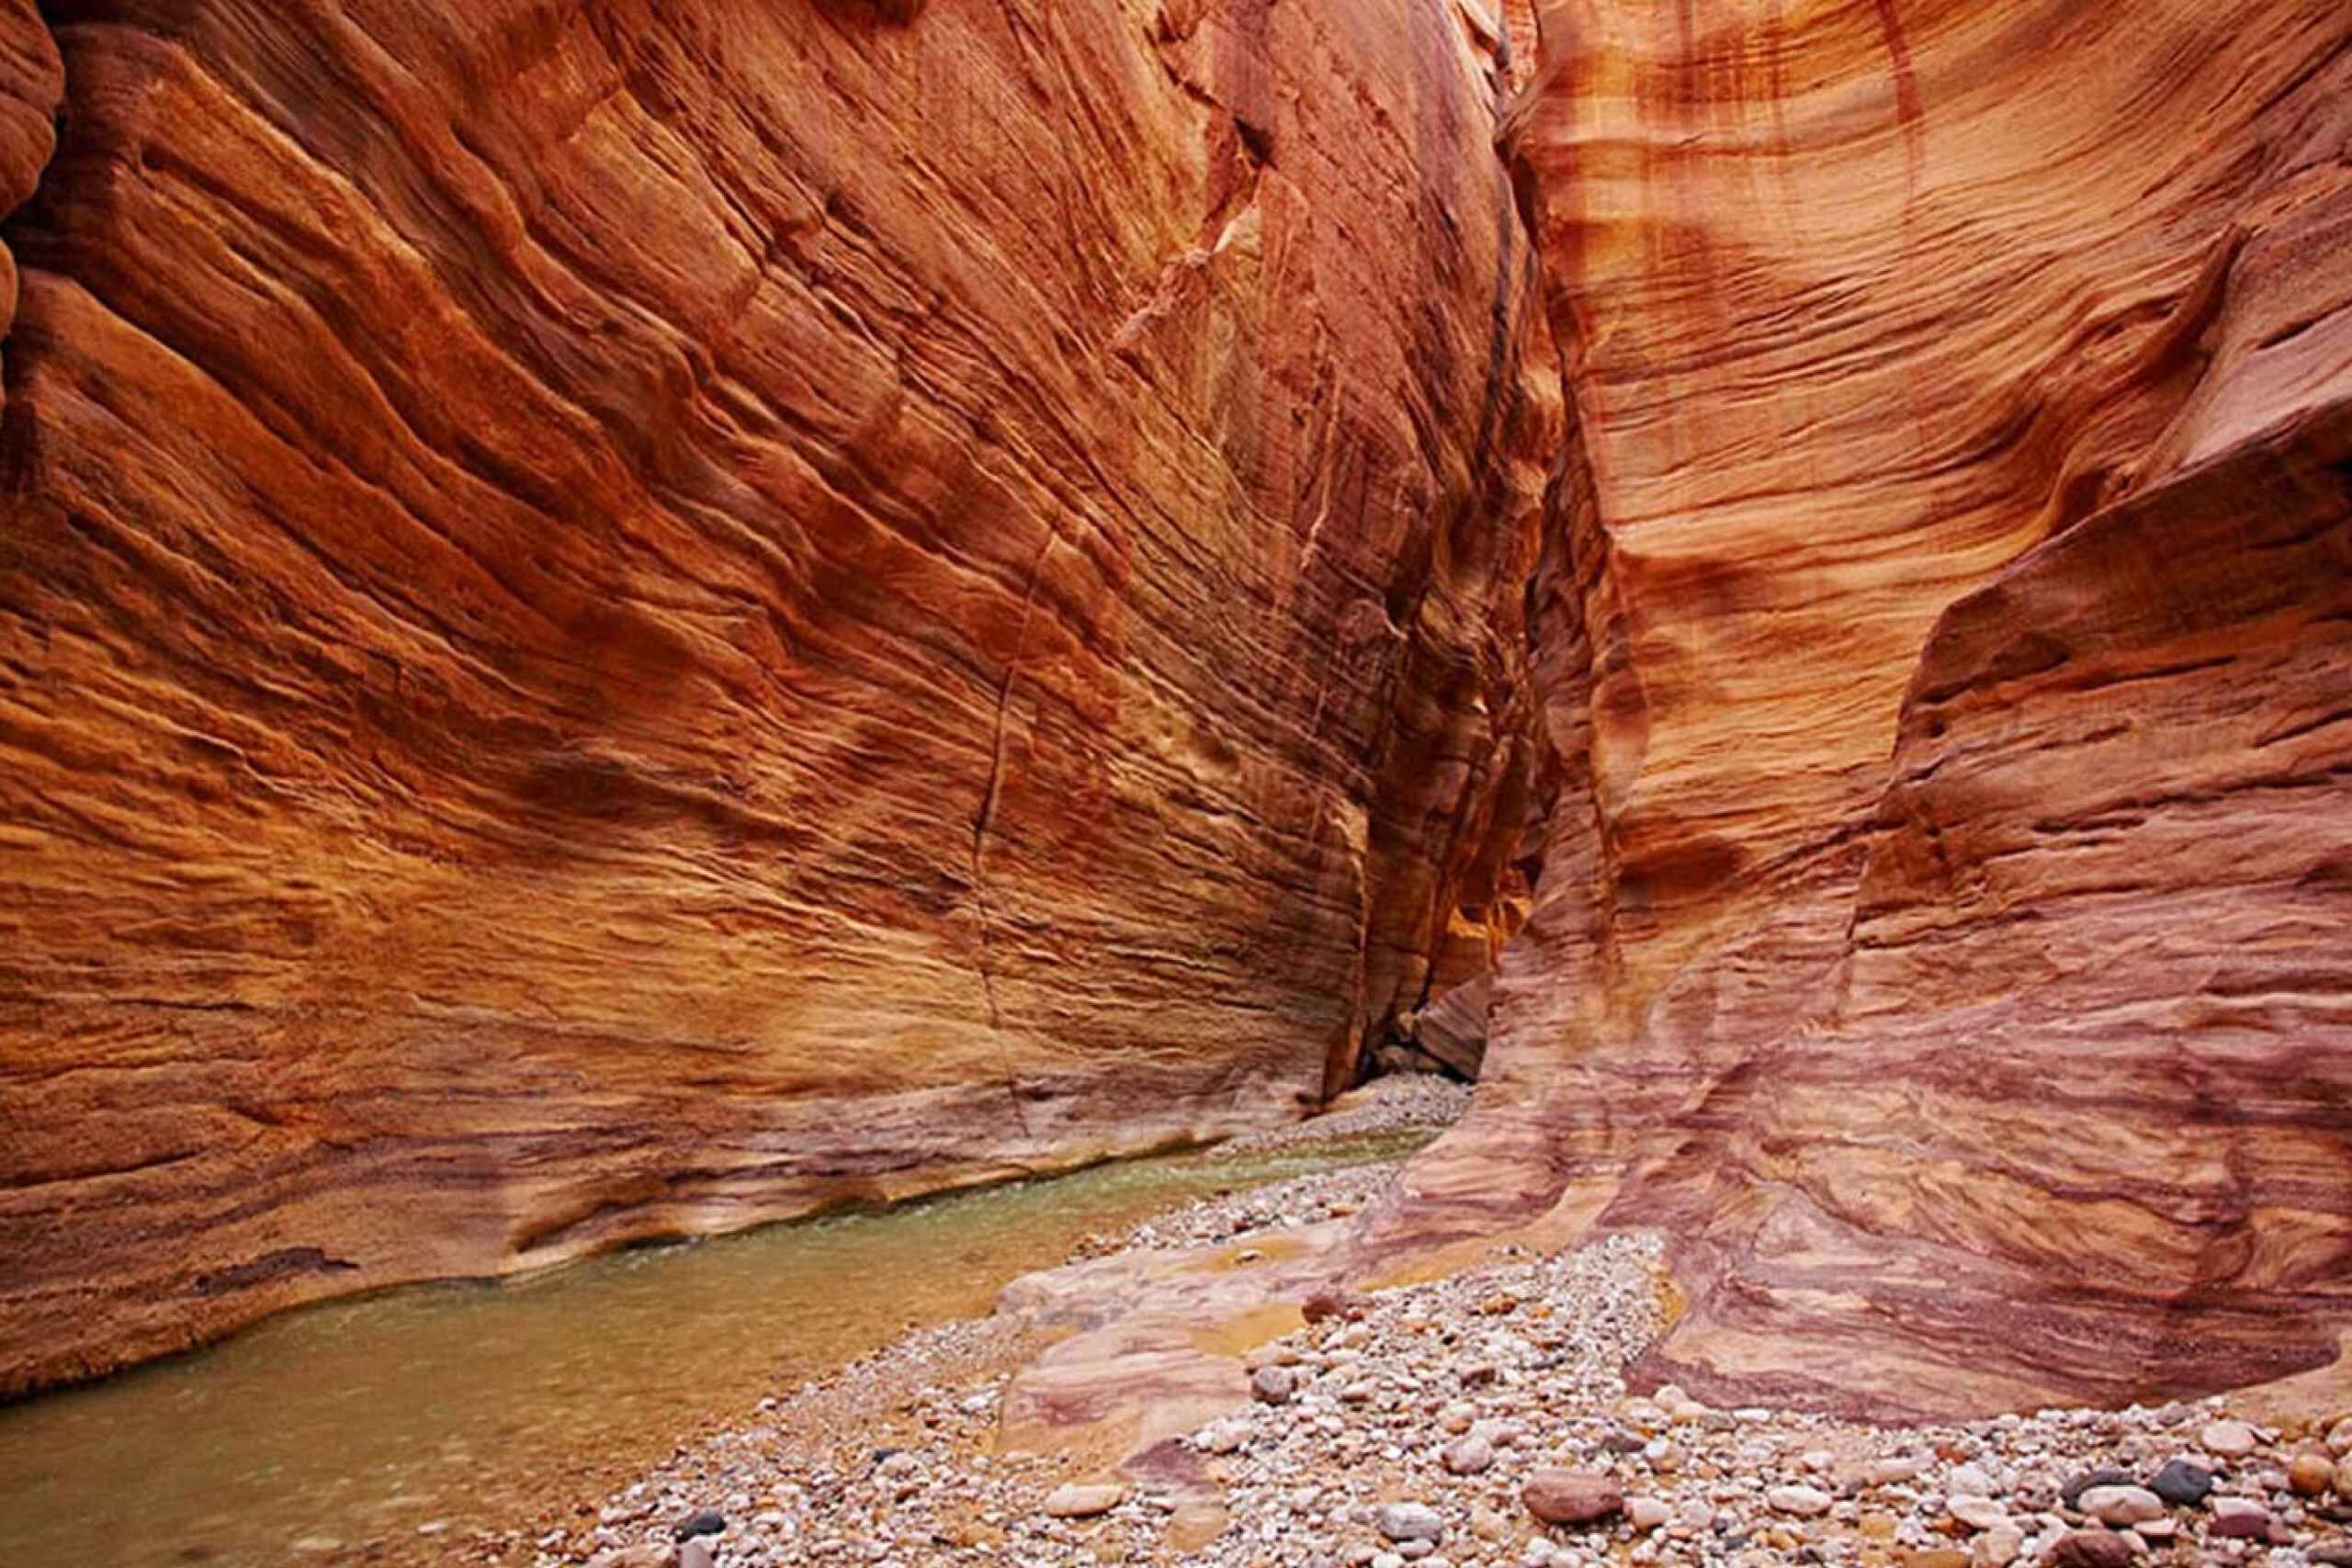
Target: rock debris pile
(1408, 1103)
(1479, 1421)
(1228, 1216)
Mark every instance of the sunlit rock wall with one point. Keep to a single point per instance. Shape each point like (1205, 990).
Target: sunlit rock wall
(621, 618)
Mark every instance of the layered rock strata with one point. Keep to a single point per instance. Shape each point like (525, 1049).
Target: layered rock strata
(1947, 641)
(620, 619)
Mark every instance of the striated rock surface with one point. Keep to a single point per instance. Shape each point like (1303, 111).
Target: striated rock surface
(32, 81)
(620, 619)
(624, 618)
(1947, 641)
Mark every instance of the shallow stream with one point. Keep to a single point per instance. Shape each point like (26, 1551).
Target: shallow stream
(388, 1428)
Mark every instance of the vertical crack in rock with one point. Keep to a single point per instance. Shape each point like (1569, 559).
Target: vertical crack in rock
(497, 506)
(986, 814)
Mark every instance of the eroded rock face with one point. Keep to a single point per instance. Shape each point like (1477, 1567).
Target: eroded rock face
(624, 617)
(1946, 644)
(32, 80)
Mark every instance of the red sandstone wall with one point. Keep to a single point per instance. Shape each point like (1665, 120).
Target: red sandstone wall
(1946, 644)
(622, 617)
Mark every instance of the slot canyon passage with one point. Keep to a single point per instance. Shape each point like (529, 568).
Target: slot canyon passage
(621, 619)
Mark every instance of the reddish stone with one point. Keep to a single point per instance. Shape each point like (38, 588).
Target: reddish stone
(1572, 1496)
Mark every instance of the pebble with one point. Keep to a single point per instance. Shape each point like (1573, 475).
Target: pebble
(2181, 1483)
(1803, 1502)
(1976, 1513)
(703, 1521)
(1328, 1302)
(2235, 1518)
(2074, 1490)
(1572, 1496)
(648, 1556)
(2122, 1505)
(1997, 1547)
(1470, 1456)
(1084, 1500)
(2228, 1440)
(1272, 1385)
(1222, 1436)
(1408, 1521)
(1646, 1514)
(2312, 1473)
(2090, 1549)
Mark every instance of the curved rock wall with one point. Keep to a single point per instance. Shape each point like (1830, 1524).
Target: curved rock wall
(621, 618)
(1946, 642)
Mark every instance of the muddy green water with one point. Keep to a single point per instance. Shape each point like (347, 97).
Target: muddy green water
(467, 1407)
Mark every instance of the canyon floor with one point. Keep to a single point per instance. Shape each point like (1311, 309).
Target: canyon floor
(1477, 1421)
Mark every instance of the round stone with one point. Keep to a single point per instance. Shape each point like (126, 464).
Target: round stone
(2073, 1491)
(1646, 1514)
(2228, 1440)
(1080, 1500)
(1803, 1502)
(1976, 1513)
(1408, 1521)
(1469, 1456)
(1222, 1436)
(1572, 1496)
(2310, 1473)
(2181, 1483)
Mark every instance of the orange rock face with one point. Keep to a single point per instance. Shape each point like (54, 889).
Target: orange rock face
(1948, 645)
(622, 618)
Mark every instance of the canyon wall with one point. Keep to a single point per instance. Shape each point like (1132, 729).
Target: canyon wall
(1946, 642)
(622, 617)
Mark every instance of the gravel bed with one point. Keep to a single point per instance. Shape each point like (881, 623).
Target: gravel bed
(1227, 1216)
(1405, 1102)
(1478, 1421)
